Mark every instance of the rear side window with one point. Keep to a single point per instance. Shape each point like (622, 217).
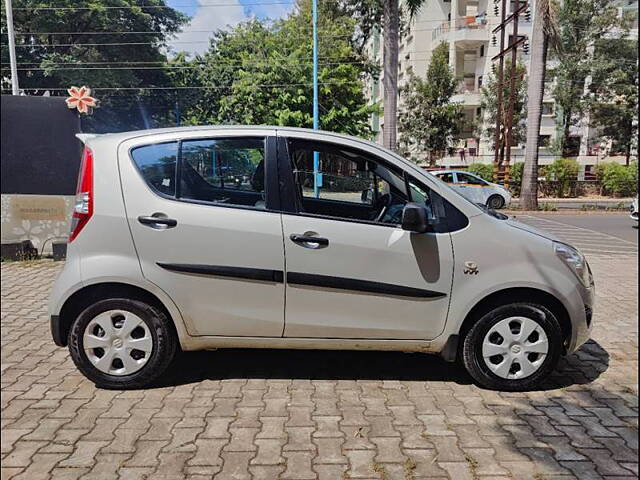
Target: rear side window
(228, 171)
(224, 170)
(446, 177)
(157, 165)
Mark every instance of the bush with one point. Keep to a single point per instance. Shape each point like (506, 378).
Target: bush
(563, 172)
(619, 180)
(483, 170)
(515, 178)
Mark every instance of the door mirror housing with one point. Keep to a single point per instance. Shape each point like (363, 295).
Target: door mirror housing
(415, 218)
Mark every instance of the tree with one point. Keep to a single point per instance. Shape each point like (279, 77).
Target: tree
(582, 24)
(612, 98)
(391, 27)
(54, 62)
(429, 120)
(489, 104)
(544, 32)
(260, 72)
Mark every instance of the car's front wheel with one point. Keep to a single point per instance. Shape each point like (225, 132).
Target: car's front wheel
(513, 347)
(121, 343)
(495, 202)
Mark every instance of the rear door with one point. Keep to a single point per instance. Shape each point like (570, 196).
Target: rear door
(204, 217)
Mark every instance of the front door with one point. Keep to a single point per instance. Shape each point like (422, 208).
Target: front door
(207, 232)
(351, 271)
(471, 187)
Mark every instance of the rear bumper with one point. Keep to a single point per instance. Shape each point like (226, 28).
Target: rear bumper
(57, 332)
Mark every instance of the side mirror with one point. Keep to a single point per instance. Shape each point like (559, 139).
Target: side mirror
(415, 219)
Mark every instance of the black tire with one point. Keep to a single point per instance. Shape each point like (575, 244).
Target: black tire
(162, 334)
(472, 346)
(496, 202)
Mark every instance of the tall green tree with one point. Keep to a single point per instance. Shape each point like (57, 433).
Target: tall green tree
(390, 47)
(489, 104)
(612, 98)
(428, 120)
(261, 73)
(582, 23)
(544, 34)
(58, 48)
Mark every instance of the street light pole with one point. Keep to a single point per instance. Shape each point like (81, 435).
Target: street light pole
(12, 49)
(317, 178)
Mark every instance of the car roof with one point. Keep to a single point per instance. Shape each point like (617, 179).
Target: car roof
(121, 136)
(438, 172)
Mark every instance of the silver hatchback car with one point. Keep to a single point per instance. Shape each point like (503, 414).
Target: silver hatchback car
(268, 237)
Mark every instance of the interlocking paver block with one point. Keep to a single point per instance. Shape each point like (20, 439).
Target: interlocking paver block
(583, 424)
(84, 454)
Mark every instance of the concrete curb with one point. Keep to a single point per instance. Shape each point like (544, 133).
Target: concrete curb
(582, 203)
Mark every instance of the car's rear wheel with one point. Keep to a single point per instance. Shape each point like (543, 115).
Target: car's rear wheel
(121, 343)
(513, 347)
(495, 202)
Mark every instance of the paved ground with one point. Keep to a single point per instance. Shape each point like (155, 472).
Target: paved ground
(304, 415)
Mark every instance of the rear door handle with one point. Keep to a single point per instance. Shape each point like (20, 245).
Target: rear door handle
(308, 240)
(158, 220)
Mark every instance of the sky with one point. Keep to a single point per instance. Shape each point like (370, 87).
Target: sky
(208, 16)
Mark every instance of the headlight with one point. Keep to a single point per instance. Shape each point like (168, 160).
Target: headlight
(575, 261)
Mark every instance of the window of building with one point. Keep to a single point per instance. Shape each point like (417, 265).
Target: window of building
(544, 141)
(482, 50)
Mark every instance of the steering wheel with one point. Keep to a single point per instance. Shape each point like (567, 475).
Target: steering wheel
(383, 203)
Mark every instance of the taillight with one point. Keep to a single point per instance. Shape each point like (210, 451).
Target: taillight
(83, 208)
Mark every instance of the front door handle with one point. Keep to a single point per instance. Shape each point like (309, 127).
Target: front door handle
(158, 220)
(309, 241)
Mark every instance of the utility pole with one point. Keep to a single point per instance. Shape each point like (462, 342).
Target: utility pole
(499, 152)
(504, 129)
(317, 177)
(12, 49)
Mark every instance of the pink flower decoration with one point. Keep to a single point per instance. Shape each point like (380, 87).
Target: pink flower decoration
(80, 98)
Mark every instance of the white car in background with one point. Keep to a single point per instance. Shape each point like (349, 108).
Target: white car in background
(634, 210)
(475, 189)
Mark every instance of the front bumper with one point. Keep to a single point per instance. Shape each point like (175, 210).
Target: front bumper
(583, 320)
(57, 332)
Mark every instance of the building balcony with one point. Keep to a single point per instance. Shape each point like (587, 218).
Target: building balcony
(472, 28)
(467, 96)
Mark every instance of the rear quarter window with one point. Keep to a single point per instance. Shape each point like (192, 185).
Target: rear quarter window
(157, 165)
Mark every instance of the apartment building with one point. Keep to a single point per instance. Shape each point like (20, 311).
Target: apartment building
(467, 25)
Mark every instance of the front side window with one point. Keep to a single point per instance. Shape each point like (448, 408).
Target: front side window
(224, 170)
(157, 165)
(470, 179)
(340, 182)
